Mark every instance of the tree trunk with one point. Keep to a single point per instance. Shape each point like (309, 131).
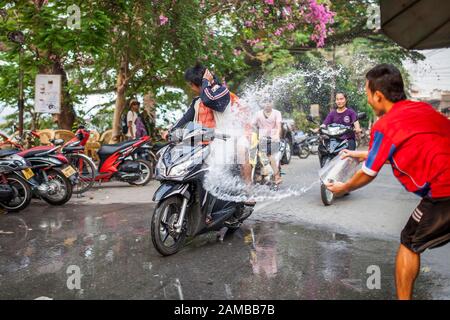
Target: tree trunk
(67, 116)
(121, 86)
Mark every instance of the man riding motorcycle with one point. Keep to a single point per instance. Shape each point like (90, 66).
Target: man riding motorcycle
(216, 107)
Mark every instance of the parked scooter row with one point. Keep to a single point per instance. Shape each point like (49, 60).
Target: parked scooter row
(46, 174)
(305, 144)
(54, 172)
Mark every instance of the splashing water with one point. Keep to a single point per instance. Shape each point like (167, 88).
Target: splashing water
(225, 185)
(233, 188)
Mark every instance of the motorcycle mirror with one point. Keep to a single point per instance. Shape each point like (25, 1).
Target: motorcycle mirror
(362, 115)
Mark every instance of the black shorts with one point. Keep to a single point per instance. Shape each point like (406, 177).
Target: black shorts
(429, 225)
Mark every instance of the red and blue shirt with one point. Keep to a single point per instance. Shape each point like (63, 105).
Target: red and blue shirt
(415, 139)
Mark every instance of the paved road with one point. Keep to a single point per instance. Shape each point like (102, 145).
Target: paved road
(294, 248)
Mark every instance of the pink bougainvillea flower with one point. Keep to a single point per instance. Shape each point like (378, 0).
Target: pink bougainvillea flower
(290, 26)
(278, 32)
(320, 16)
(163, 19)
(269, 2)
(237, 52)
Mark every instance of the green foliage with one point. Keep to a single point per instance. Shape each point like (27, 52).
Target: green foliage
(158, 40)
(301, 123)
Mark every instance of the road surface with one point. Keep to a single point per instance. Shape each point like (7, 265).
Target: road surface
(294, 248)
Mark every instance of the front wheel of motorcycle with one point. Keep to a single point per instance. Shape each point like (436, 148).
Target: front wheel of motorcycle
(22, 194)
(146, 169)
(314, 148)
(304, 152)
(287, 155)
(165, 239)
(326, 195)
(61, 188)
(86, 172)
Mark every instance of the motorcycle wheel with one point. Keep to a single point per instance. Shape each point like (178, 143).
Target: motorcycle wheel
(65, 189)
(287, 156)
(164, 217)
(86, 172)
(326, 195)
(314, 148)
(304, 152)
(22, 194)
(146, 168)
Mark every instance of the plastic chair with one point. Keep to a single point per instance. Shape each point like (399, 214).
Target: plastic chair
(92, 145)
(66, 135)
(106, 137)
(45, 136)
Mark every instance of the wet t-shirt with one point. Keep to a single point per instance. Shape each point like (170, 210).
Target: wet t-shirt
(346, 118)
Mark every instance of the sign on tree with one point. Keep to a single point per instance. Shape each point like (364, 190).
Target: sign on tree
(48, 93)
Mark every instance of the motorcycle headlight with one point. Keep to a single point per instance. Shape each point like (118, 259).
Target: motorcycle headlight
(182, 168)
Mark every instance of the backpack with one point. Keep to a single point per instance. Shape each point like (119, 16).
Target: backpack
(123, 123)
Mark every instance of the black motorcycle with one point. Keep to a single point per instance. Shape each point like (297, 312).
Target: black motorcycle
(184, 208)
(331, 144)
(15, 192)
(52, 177)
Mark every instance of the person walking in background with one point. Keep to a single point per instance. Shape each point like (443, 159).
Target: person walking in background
(132, 115)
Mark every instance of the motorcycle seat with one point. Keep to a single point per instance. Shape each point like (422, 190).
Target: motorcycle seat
(72, 149)
(107, 149)
(8, 152)
(34, 151)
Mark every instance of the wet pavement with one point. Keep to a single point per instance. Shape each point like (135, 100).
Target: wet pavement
(266, 259)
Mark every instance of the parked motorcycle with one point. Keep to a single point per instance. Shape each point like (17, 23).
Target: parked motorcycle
(331, 144)
(120, 162)
(313, 142)
(15, 192)
(300, 145)
(52, 176)
(73, 150)
(184, 208)
(150, 151)
(363, 139)
(85, 167)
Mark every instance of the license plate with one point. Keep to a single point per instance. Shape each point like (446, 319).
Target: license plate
(69, 171)
(28, 173)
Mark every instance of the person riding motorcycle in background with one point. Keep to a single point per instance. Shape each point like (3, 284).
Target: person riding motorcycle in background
(268, 122)
(345, 116)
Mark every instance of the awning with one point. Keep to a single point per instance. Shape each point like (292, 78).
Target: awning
(417, 24)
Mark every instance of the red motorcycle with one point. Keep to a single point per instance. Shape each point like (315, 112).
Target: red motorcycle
(120, 162)
(74, 151)
(117, 161)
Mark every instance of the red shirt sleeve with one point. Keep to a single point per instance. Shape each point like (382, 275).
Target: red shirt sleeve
(381, 149)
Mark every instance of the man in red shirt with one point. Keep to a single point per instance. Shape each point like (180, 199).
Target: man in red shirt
(415, 140)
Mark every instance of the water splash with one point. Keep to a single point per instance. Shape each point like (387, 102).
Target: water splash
(220, 181)
(226, 186)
